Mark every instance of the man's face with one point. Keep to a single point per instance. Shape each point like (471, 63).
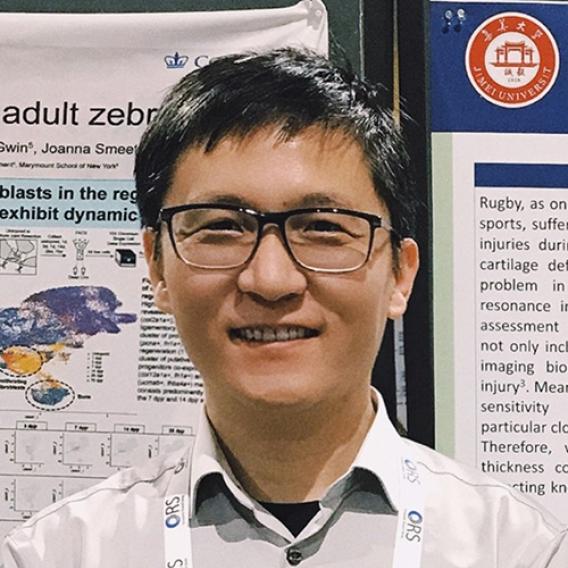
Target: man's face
(348, 311)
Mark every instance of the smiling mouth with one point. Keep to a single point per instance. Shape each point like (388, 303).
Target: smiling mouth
(267, 334)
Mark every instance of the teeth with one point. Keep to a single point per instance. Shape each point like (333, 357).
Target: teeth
(269, 334)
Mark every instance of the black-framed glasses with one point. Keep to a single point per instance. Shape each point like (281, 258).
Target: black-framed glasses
(322, 239)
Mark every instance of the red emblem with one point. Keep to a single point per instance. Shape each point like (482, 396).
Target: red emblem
(512, 60)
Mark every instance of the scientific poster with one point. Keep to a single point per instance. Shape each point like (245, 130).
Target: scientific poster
(92, 377)
(499, 86)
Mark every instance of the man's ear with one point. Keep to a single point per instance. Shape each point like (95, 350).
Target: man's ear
(408, 261)
(155, 269)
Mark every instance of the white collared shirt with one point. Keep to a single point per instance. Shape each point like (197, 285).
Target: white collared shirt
(473, 521)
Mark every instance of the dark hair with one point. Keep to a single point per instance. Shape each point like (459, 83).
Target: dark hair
(290, 89)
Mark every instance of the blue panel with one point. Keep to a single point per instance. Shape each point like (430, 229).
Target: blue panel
(458, 107)
(521, 175)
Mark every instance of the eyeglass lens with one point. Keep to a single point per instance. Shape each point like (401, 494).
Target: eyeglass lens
(223, 238)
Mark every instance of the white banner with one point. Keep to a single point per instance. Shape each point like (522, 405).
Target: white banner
(92, 377)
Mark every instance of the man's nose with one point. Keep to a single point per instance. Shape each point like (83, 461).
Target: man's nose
(271, 273)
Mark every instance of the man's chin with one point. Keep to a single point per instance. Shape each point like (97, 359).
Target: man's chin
(277, 393)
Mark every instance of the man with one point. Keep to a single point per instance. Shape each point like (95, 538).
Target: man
(278, 218)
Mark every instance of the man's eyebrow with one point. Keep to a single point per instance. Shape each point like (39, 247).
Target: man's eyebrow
(315, 199)
(227, 199)
(319, 199)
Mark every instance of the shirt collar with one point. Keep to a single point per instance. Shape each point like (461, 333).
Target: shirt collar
(382, 451)
(381, 454)
(208, 458)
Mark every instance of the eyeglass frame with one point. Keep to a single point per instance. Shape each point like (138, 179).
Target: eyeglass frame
(278, 218)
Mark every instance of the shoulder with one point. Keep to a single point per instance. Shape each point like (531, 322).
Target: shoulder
(461, 501)
(449, 475)
(95, 515)
(150, 479)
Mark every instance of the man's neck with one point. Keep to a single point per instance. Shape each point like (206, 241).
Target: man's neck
(286, 455)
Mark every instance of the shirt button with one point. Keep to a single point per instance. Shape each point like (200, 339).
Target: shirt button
(294, 556)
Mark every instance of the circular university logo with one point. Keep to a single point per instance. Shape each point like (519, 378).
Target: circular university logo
(512, 60)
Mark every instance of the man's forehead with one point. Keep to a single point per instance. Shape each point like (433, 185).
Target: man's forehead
(321, 136)
(270, 170)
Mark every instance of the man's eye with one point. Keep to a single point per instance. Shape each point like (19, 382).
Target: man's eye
(325, 226)
(218, 228)
(213, 225)
(222, 225)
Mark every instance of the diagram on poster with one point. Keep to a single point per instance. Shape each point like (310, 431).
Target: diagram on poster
(48, 326)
